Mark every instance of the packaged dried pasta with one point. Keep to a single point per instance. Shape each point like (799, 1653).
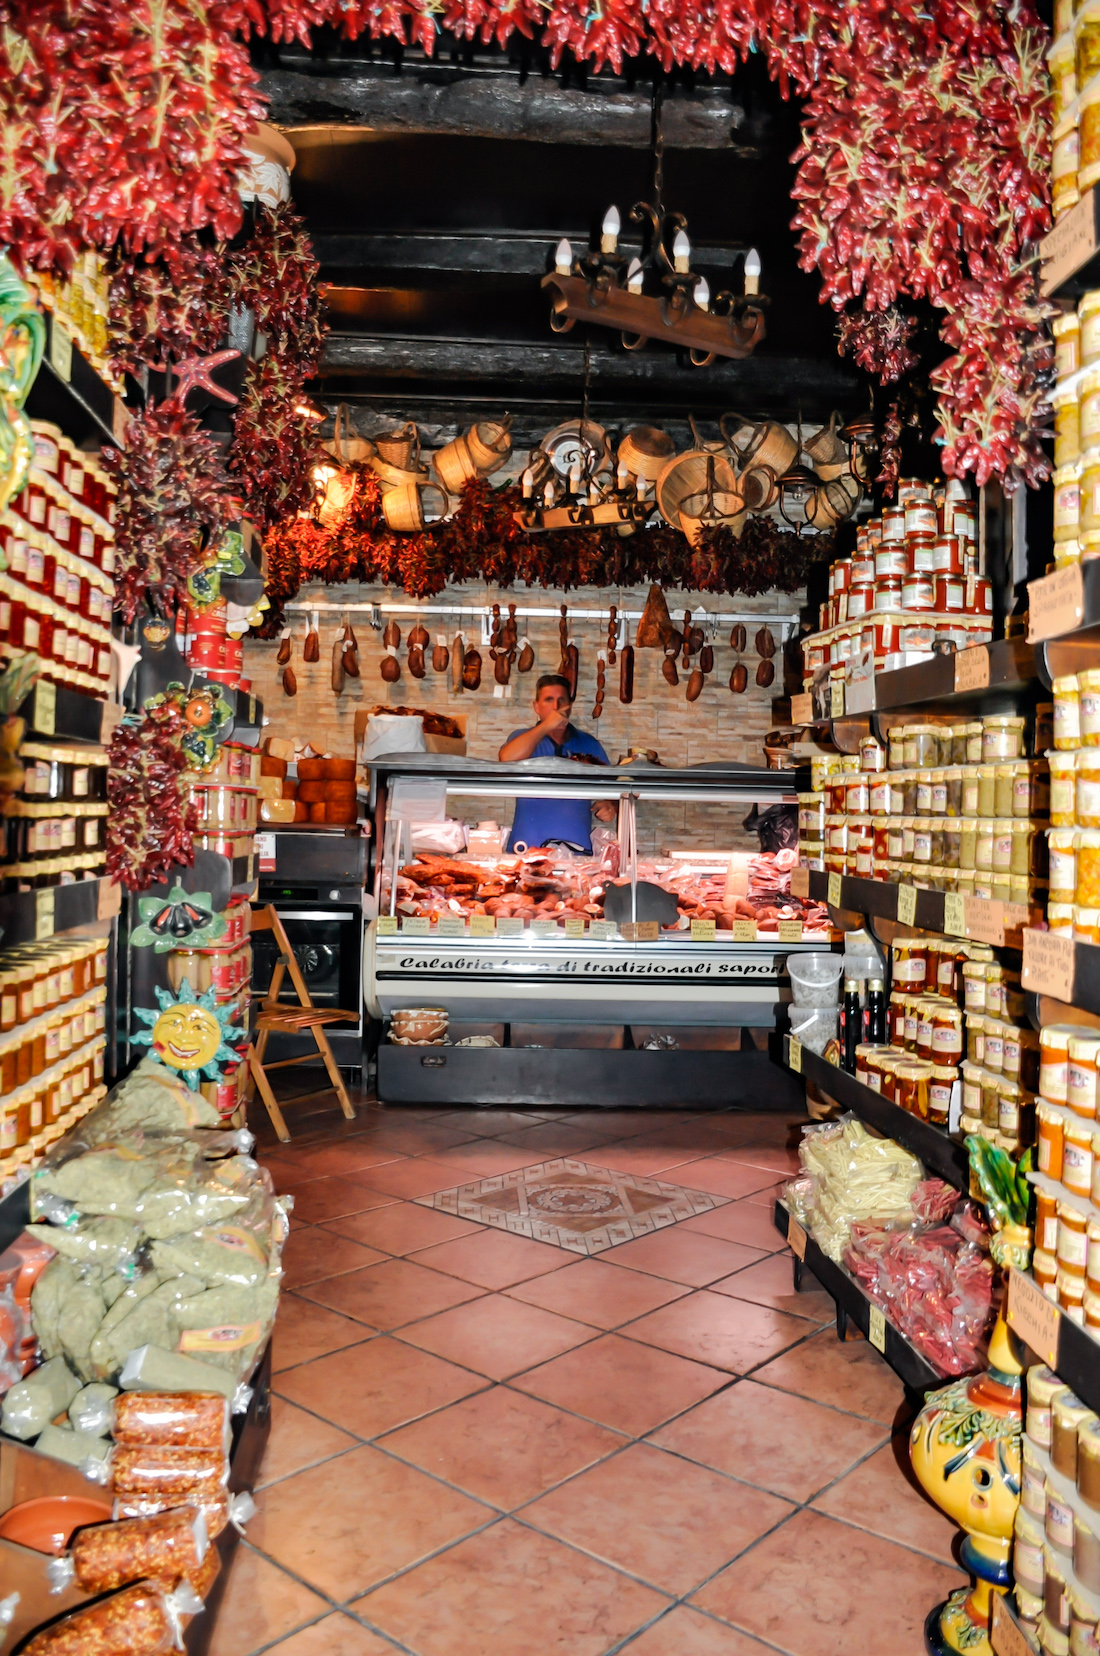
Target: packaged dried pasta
(167, 1548)
(139, 1621)
(31, 1404)
(142, 1470)
(177, 1420)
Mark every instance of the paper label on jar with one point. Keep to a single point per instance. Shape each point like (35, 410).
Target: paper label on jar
(947, 1040)
(922, 846)
(909, 971)
(939, 799)
(1080, 1087)
(1088, 799)
(1076, 1176)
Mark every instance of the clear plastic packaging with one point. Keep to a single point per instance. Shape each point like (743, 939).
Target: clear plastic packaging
(217, 1510)
(138, 1621)
(166, 1548)
(30, 1405)
(75, 1448)
(815, 978)
(151, 1368)
(180, 1420)
(90, 1409)
(142, 1469)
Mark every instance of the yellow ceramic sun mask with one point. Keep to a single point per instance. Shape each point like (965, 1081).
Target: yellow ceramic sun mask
(186, 1037)
(22, 339)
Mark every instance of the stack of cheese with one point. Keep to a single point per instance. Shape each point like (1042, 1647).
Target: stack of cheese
(323, 792)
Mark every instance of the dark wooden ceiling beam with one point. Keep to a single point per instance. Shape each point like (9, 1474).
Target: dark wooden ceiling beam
(492, 252)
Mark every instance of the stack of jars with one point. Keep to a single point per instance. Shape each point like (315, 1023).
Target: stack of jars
(950, 807)
(225, 797)
(226, 968)
(1056, 1556)
(1074, 63)
(919, 1067)
(1076, 403)
(811, 826)
(212, 652)
(1000, 1073)
(1074, 835)
(1066, 1262)
(57, 585)
(81, 303)
(54, 829)
(52, 1020)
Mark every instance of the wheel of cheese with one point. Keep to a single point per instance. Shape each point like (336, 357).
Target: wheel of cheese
(339, 770)
(311, 792)
(340, 814)
(311, 770)
(290, 788)
(301, 812)
(272, 767)
(317, 812)
(339, 793)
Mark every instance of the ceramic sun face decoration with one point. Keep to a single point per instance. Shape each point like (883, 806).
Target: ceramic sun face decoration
(188, 1034)
(965, 1449)
(22, 341)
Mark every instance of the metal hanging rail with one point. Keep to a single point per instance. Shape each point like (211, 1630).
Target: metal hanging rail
(549, 611)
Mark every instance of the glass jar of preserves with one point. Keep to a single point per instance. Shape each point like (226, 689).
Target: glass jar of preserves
(896, 748)
(911, 1087)
(910, 964)
(1063, 789)
(1067, 712)
(1083, 1050)
(1002, 737)
(923, 807)
(987, 790)
(872, 756)
(1054, 1063)
(1087, 842)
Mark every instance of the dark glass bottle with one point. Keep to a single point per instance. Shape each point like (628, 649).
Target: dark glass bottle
(874, 1014)
(851, 1024)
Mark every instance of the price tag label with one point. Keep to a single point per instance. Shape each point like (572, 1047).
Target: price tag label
(703, 931)
(1056, 604)
(972, 669)
(907, 905)
(109, 720)
(954, 914)
(601, 930)
(1049, 961)
(790, 931)
(800, 881)
(835, 889)
(836, 700)
(451, 925)
(265, 847)
(61, 352)
(1066, 248)
(1005, 1633)
(985, 921)
(744, 931)
(415, 925)
(482, 925)
(387, 925)
(545, 928)
(640, 931)
(796, 1236)
(574, 926)
(45, 707)
(876, 1328)
(120, 421)
(509, 926)
(794, 1054)
(1033, 1317)
(44, 912)
(108, 899)
(802, 709)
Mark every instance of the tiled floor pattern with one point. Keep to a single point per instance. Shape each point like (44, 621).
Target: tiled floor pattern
(482, 1444)
(573, 1204)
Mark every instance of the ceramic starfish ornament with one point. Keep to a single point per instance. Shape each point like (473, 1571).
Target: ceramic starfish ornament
(194, 372)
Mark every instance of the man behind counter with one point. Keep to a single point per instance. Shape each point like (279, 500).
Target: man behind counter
(566, 822)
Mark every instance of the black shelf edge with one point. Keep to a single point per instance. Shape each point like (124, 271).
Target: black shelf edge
(939, 1153)
(878, 898)
(905, 1360)
(78, 716)
(1013, 668)
(15, 1214)
(1086, 977)
(93, 396)
(73, 905)
(1070, 652)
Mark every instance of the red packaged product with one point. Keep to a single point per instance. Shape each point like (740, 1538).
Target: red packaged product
(180, 1420)
(156, 1471)
(140, 1621)
(167, 1548)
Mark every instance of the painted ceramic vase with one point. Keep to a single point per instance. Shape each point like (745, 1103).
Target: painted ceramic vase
(965, 1449)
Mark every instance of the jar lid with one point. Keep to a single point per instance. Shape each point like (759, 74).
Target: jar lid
(1068, 322)
(1064, 759)
(1003, 721)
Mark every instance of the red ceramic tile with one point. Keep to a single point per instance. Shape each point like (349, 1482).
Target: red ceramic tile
(726, 1333)
(848, 1374)
(685, 1632)
(771, 1282)
(818, 1588)
(726, 1178)
(387, 1295)
(339, 1635)
(497, 1335)
(510, 1589)
(354, 1521)
(311, 1254)
(491, 1123)
(376, 1386)
(623, 1124)
(493, 1259)
(402, 1227)
(630, 1387)
(593, 1292)
(484, 1159)
(657, 1517)
(417, 1138)
(551, 1139)
(298, 1440)
(417, 1176)
(502, 1446)
(261, 1603)
(338, 1160)
(304, 1331)
(332, 1198)
(682, 1256)
(651, 1161)
(772, 1158)
(740, 1221)
(766, 1198)
(783, 1443)
(883, 1496)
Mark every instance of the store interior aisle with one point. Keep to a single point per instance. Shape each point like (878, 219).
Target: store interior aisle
(483, 1443)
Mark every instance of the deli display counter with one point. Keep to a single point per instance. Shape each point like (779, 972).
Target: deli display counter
(649, 972)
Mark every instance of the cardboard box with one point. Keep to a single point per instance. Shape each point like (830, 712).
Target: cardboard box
(433, 744)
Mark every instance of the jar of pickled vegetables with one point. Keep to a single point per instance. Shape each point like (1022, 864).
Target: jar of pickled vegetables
(1002, 737)
(1067, 712)
(1054, 1061)
(1062, 849)
(1063, 789)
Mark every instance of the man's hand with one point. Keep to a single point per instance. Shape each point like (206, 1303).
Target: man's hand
(606, 810)
(555, 726)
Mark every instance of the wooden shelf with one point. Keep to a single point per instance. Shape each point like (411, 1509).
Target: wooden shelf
(28, 916)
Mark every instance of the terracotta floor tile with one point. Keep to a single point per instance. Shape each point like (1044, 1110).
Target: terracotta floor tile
(604, 1295)
(352, 1522)
(332, 1198)
(883, 1496)
(338, 1635)
(685, 1632)
(376, 1386)
(726, 1178)
(402, 1227)
(553, 1138)
(387, 1295)
(261, 1603)
(630, 1387)
(502, 1446)
(348, 1156)
(635, 1156)
(311, 1254)
(497, 1335)
(769, 1438)
(510, 1589)
(304, 1331)
(622, 1123)
(683, 1256)
(819, 1588)
(413, 1177)
(650, 1514)
(493, 1259)
(771, 1282)
(712, 1328)
(418, 1138)
(766, 1198)
(484, 1159)
(741, 1221)
(772, 1157)
(298, 1440)
(491, 1123)
(848, 1374)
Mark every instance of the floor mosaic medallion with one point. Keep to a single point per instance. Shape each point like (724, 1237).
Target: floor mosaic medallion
(573, 1205)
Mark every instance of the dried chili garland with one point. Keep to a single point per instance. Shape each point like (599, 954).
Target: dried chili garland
(151, 824)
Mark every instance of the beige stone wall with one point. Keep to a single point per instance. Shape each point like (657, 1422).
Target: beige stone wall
(719, 725)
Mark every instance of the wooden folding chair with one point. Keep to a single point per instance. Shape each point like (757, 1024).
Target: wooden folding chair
(286, 1019)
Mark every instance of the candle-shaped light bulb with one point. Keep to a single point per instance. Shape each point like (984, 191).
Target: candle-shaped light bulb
(563, 258)
(528, 483)
(752, 271)
(622, 476)
(575, 477)
(548, 495)
(681, 253)
(701, 294)
(641, 484)
(612, 224)
(634, 276)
